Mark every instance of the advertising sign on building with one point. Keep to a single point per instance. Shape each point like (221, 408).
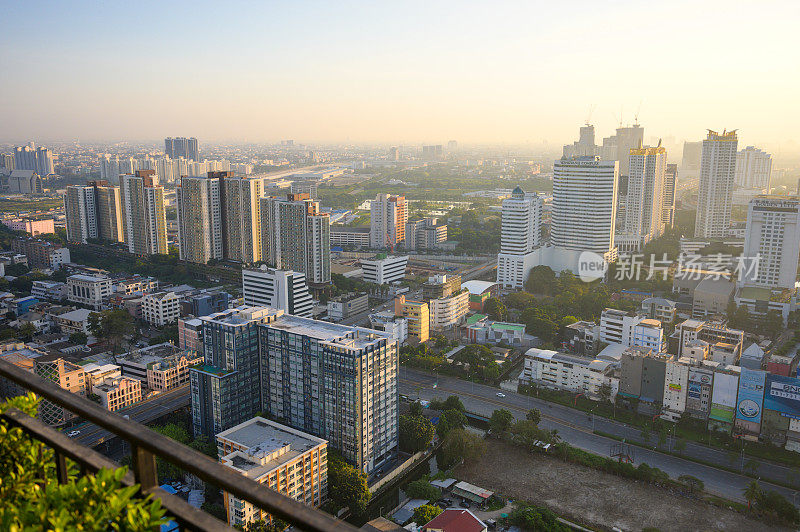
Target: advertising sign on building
(782, 394)
(723, 397)
(698, 389)
(751, 395)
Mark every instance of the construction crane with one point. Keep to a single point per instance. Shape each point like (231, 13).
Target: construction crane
(636, 115)
(589, 114)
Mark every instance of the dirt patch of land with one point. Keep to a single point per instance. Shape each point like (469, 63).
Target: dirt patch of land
(593, 497)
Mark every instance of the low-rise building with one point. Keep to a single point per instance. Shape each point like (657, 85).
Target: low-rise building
(41, 253)
(418, 316)
(357, 237)
(88, 290)
(74, 321)
(135, 284)
(480, 292)
(49, 290)
(386, 321)
(284, 459)
(190, 334)
(346, 305)
(204, 302)
(441, 285)
(448, 312)
(561, 371)
(711, 298)
(759, 300)
(659, 308)
(161, 308)
(116, 393)
(620, 327)
(161, 367)
(383, 269)
(425, 234)
(22, 305)
(481, 330)
(32, 226)
(583, 338)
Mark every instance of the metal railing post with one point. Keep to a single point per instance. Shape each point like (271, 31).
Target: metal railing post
(144, 467)
(61, 467)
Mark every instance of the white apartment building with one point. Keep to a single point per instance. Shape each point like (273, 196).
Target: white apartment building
(520, 234)
(584, 205)
(619, 327)
(199, 207)
(567, 372)
(645, 199)
(279, 289)
(753, 169)
(49, 290)
(447, 312)
(384, 270)
(717, 178)
(676, 382)
(88, 289)
(387, 321)
(772, 235)
(161, 308)
(145, 218)
(388, 219)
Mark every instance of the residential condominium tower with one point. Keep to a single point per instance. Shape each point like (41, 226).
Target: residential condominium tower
(772, 240)
(241, 216)
(297, 236)
(199, 219)
(388, 218)
(645, 195)
(143, 207)
(279, 289)
(717, 175)
(670, 182)
(93, 211)
(753, 169)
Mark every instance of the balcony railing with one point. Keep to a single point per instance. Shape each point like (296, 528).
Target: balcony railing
(146, 445)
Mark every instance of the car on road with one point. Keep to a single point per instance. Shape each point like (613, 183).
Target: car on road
(73, 433)
(500, 394)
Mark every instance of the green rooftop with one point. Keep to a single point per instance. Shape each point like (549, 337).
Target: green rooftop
(503, 326)
(475, 318)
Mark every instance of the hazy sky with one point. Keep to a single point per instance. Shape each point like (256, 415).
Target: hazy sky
(396, 71)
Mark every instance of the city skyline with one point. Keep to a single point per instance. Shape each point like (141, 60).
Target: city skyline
(375, 73)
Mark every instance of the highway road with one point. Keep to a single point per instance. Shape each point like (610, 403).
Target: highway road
(144, 412)
(577, 428)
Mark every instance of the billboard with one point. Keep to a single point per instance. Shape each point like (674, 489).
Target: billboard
(751, 395)
(782, 394)
(699, 380)
(723, 397)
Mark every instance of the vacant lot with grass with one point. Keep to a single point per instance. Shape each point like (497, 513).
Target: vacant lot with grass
(593, 497)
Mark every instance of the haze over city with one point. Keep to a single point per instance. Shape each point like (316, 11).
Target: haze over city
(397, 72)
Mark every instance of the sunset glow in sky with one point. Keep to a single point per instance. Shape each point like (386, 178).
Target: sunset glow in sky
(399, 72)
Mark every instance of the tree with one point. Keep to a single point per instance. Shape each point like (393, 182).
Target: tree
(536, 519)
(112, 326)
(752, 493)
(680, 445)
(350, 485)
(451, 403)
(541, 280)
(415, 409)
(449, 420)
(460, 445)
(26, 331)
(415, 432)
(78, 338)
(500, 421)
(422, 489)
(425, 513)
(534, 415)
(495, 309)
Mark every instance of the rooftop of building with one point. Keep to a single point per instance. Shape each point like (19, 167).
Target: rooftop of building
(341, 335)
(343, 298)
(347, 229)
(88, 278)
(659, 301)
(555, 356)
(151, 354)
(720, 286)
(78, 315)
(475, 318)
(240, 316)
(455, 520)
(478, 287)
(267, 445)
(161, 295)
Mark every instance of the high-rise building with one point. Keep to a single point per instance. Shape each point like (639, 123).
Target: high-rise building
(242, 216)
(427, 233)
(109, 167)
(40, 160)
(753, 169)
(584, 205)
(645, 195)
(690, 159)
(93, 211)
(332, 381)
(520, 234)
(296, 236)
(584, 146)
(717, 174)
(227, 390)
(670, 182)
(394, 153)
(433, 152)
(200, 211)
(6, 162)
(772, 239)
(278, 289)
(628, 138)
(128, 165)
(182, 147)
(143, 207)
(388, 218)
